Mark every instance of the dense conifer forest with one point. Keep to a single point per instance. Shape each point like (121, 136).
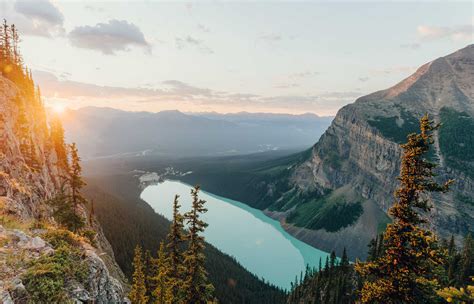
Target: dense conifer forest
(128, 221)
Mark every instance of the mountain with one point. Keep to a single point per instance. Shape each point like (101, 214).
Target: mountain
(340, 193)
(38, 259)
(337, 193)
(102, 132)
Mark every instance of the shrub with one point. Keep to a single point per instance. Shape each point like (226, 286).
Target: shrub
(46, 278)
(90, 236)
(61, 237)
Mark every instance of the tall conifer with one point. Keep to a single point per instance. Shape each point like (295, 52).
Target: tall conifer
(162, 291)
(75, 176)
(198, 289)
(137, 294)
(175, 249)
(404, 272)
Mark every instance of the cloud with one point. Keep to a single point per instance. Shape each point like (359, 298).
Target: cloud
(188, 41)
(203, 28)
(184, 89)
(109, 38)
(37, 18)
(175, 94)
(459, 33)
(286, 86)
(412, 46)
(271, 37)
(305, 74)
(395, 70)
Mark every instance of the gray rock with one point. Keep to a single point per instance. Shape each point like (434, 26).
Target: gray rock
(36, 243)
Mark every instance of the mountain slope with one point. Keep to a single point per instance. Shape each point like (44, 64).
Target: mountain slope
(37, 257)
(101, 132)
(340, 194)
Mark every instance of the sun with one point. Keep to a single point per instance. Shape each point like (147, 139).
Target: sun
(58, 108)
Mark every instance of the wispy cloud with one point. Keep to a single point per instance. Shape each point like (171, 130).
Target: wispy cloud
(271, 37)
(203, 28)
(458, 33)
(175, 94)
(286, 85)
(304, 74)
(412, 46)
(189, 41)
(109, 38)
(394, 70)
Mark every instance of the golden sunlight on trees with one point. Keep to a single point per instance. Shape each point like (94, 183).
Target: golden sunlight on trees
(406, 270)
(178, 275)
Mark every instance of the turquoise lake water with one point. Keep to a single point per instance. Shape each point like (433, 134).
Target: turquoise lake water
(258, 242)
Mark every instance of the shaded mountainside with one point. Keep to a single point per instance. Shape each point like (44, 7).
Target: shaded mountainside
(101, 132)
(37, 257)
(339, 195)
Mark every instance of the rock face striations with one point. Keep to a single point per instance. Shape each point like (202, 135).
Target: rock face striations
(32, 245)
(340, 194)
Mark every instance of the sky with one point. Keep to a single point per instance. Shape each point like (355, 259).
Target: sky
(230, 56)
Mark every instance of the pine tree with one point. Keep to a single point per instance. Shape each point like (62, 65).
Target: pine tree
(344, 260)
(175, 242)
(137, 294)
(405, 271)
(75, 177)
(59, 145)
(467, 260)
(161, 292)
(198, 289)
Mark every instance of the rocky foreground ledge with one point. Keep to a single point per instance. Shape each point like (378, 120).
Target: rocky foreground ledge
(40, 253)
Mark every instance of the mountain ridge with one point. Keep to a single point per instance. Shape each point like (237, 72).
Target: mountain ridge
(356, 162)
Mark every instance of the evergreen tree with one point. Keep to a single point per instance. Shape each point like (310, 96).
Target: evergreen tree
(64, 212)
(137, 294)
(467, 260)
(161, 292)
(405, 271)
(198, 289)
(75, 177)
(175, 242)
(57, 140)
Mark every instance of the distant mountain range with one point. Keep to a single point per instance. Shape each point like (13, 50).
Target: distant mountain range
(103, 132)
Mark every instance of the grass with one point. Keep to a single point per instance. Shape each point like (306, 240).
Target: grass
(331, 212)
(456, 140)
(390, 129)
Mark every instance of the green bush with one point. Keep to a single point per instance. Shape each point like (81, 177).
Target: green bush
(45, 280)
(61, 237)
(90, 236)
(65, 213)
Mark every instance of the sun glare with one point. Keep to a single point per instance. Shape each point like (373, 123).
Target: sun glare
(58, 108)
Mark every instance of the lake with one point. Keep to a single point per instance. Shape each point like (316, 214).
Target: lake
(258, 242)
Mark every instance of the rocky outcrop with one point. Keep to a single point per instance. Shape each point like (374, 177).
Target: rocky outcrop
(361, 151)
(21, 249)
(30, 176)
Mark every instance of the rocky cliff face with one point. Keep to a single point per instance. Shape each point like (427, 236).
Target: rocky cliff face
(358, 157)
(29, 177)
